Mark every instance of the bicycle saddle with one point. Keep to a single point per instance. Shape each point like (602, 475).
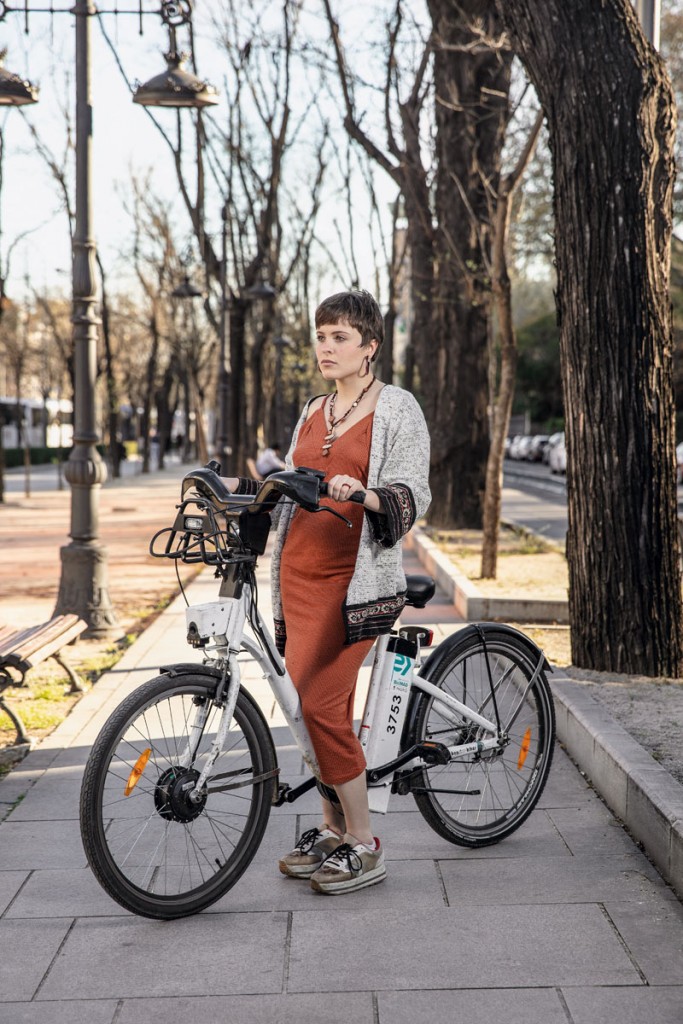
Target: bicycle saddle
(419, 590)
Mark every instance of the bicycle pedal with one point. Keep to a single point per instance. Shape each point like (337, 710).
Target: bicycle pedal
(433, 753)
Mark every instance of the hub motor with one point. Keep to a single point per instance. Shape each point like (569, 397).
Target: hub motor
(172, 795)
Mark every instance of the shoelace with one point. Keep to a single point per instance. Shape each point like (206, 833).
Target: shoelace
(344, 853)
(308, 840)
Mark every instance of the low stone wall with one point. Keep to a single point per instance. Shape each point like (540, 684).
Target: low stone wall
(468, 599)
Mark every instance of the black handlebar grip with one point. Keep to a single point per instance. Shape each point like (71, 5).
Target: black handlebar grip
(358, 496)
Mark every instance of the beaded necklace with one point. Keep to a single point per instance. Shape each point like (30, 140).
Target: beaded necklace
(331, 437)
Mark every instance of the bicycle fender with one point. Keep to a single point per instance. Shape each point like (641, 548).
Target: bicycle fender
(465, 636)
(186, 668)
(473, 631)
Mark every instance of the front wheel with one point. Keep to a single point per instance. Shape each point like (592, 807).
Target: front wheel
(153, 849)
(482, 797)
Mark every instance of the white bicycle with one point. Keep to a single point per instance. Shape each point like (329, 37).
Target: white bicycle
(179, 784)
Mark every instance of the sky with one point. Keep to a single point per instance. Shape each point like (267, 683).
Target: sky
(123, 137)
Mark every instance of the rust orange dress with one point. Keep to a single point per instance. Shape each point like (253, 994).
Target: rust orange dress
(318, 561)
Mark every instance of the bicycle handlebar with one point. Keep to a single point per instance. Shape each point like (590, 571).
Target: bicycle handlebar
(303, 485)
(358, 497)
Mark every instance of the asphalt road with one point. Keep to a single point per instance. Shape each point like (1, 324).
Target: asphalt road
(534, 498)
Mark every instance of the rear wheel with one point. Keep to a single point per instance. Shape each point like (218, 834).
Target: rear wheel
(153, 849)
(481, 798)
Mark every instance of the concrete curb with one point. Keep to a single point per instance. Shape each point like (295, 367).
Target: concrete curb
(633, 785)
(469, 602)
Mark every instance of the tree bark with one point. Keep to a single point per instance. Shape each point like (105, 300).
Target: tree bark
(611, 119)
(472, 82)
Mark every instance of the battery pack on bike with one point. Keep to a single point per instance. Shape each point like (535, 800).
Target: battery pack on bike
(382, 725)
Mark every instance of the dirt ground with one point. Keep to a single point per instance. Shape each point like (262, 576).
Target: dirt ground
(527, 566)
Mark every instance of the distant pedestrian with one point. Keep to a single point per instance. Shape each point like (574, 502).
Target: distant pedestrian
(270, 460)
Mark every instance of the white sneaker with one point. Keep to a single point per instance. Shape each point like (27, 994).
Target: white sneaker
(349, 868)
(309, 852)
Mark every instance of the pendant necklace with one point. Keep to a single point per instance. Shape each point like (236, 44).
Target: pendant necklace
(330, 436)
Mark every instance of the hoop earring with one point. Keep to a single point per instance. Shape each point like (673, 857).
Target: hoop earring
(367, 367)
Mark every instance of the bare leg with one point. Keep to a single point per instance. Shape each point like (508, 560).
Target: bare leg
(332, 817)
(353, 796)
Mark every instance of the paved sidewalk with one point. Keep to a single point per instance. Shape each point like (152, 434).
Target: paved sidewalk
(566, 922)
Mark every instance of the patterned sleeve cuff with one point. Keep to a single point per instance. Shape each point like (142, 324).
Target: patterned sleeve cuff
(247, 486)
(398, 516)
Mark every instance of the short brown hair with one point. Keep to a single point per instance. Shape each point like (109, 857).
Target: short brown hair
(356, 308)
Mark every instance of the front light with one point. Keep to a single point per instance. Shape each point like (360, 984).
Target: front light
(194, 524)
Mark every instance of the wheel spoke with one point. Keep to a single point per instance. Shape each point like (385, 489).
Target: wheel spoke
(155, 850)
(482, 797)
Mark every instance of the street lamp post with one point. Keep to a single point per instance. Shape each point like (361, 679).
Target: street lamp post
(223, 451)
(84, 586)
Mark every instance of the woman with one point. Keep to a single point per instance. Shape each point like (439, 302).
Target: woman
(335, 589)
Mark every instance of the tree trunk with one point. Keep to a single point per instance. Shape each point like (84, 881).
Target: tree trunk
(238, 405)
(504, 388)
(472, 81)
(148, 397)
(611, 118)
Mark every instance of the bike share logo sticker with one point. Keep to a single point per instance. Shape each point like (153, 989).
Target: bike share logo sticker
(402, 667)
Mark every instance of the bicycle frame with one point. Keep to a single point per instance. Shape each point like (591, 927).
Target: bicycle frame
(219, 628)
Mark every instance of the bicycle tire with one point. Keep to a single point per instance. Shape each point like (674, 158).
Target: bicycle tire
(482, 798)
(150, 849)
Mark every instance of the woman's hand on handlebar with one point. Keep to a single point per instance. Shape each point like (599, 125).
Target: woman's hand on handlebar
(341, 488)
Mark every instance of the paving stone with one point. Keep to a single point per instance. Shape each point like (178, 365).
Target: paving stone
(551, 880)
(41, 844)
(113, 958)
(339, 1008)
(67, 1012)
(513, 1006)
(28, 950)
(591, 829)
(406, 836)
(64, 893)
(653, 932)
(625, 1005)
(49, 799)
(537, 946)
(566, 787)
(10, 884)
(264, 888)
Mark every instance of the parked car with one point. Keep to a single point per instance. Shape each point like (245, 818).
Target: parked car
(679, 463)
(537, 447)
(557, 459)
(514, 446)
(552, 441)
(523, 447)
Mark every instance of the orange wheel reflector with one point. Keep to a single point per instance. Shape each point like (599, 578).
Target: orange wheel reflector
(138, 769)
(524, 749)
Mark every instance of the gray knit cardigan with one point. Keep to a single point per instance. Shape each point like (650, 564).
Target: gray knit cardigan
(398, 472)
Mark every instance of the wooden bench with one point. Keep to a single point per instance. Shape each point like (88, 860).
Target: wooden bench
(23, 649)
